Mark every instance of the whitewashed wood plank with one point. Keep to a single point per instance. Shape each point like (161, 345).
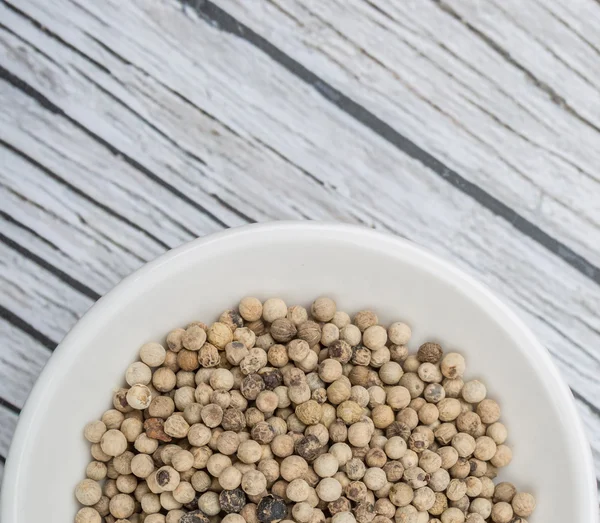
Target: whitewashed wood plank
(515, 30)
(385, 160)
(56, 213)
(554, 38)
(582, 17)
(489, 121)
(591, 428)
(22, 358)
(8, 422)
(37, 297)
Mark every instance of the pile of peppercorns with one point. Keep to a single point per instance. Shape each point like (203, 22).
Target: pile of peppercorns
(272, 413)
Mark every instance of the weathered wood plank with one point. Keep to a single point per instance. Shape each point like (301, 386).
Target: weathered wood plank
(582, 17)
(37, 297)
(489, 122)
(555, 40)
(551, 61)
(22, 358)
(8, 422)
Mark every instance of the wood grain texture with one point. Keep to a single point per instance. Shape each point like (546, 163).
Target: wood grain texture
(120, 140)
(431, 77)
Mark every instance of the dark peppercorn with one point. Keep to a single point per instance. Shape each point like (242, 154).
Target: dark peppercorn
(232, 319)
(308, 447)
(364, 512)
(272, 378)
(251, 386)
(361, 355)
(398, 428)
(429, 352)
(341, 504)
(232, 500)
(319, 395)
(341, 351)
(271, 508)
(154, 428)
(162, 477)
(263, 433)
(393, 471)
(233, 419)
(283, 330)
(192, 505)
(196, 516)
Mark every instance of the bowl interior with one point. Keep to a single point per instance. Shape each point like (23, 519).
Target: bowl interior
(360, 269)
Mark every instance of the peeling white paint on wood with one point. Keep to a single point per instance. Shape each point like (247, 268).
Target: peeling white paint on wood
(22, 359)
(173, 128)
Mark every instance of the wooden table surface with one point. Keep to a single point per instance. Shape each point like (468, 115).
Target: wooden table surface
(469, 127)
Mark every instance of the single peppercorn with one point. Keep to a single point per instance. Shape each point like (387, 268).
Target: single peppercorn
(232, 500)
(271, 508)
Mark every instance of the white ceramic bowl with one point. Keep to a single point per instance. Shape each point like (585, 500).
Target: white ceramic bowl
(358, 267)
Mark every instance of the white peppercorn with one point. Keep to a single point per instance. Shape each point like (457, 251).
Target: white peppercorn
(481, 506)
(94, 431)
(250, 308)
(293, 467)
(96, 470)
(152, 354)
(412, 383)
(122, 506)
(253, 482)
(113, 442)
(452, 515)
(429, 373)
(297, 490)
(390, 373)
(497, 431)
(449, 409)
(401, 494)
(273, 309)
(126, 483)
(217, 463)
(329, 489)
(395, 447)
(139, 397)
(329, 334)
(439, 480)
(176, 426)
(523, 504)
(452, 365)
(423, 499)
(249, 451)
(209, 503)
(138, 373)
(88, 492)
(87, 515)
(375, 478)
(489, 411)
(112, 418)
(502, 457)
(351, 334)
(502, 512)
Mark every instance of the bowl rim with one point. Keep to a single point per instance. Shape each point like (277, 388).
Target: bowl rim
(475, 289)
